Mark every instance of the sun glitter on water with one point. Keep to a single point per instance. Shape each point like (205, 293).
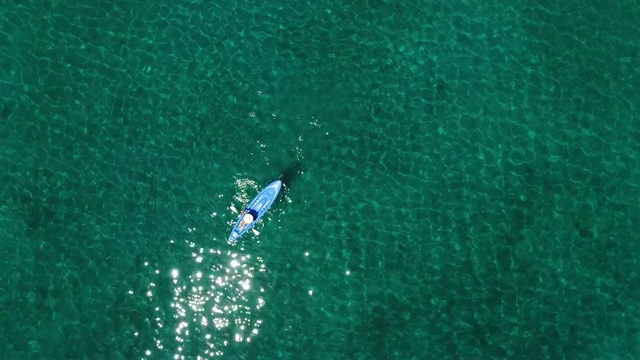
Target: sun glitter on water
(213, 306)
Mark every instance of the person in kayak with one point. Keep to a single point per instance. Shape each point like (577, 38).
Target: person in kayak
(249, 216)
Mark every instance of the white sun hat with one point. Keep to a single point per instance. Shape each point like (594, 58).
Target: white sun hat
(248, 218)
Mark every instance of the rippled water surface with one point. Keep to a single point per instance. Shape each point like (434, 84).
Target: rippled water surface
(462, 179)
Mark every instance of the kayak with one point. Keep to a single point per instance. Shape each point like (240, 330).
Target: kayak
(259, 205)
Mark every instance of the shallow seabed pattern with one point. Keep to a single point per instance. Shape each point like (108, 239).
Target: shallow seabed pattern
(462, 179)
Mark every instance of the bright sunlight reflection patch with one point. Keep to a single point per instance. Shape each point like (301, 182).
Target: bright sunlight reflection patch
(213, 306)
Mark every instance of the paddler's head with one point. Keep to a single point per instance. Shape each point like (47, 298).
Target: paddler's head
(248, 218)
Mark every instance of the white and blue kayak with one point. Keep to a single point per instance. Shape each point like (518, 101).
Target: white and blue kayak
(255, 210)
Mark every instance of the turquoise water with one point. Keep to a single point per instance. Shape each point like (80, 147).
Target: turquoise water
(463, 179)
